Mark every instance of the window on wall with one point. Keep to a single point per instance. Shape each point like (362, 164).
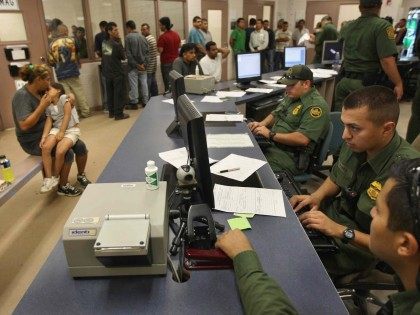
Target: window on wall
(175, 11)
(70, 12)
(106, 10)
(142, 12)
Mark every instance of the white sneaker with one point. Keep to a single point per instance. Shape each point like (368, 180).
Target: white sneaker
(46, 185)
(54, 181)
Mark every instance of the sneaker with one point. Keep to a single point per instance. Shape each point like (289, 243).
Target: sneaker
(82, 179)
(54, 181)
(46, 185)
(123, 116)
(68, 190)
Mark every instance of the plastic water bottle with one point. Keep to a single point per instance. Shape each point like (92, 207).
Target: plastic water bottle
(152, 180)
(197, 70)
(336, 62)
(6, 169)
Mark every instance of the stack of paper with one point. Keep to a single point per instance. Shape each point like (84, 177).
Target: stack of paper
(251, 200)
(258, 90)
(277, 77)
(268, 81)
(236, 167)
(223, 94)
(211, 99)
(323, 73)
(169, 100)
(178, 157)
(240, 140)
(223, 117)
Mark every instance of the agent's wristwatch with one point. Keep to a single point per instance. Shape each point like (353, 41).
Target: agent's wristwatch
(271, 136)
(348, 235)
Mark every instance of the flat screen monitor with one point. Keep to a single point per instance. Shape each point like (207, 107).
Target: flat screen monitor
(248, 68)
(294, 56)
(413, 27)
(329, 50)
(177, 89)
(191, 123)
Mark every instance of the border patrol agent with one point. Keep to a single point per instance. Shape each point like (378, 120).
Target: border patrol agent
(297, 125)
(369, 46)
(328, 32)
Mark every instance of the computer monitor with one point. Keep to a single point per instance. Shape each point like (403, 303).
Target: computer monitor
(329, 50)
(294, 56)
(248, 69)
(191, 123)
(177, 89)
(413, 28)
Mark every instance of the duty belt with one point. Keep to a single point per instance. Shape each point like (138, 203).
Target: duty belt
(354, 75)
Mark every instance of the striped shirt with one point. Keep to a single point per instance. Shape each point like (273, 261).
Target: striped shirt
(152, 65)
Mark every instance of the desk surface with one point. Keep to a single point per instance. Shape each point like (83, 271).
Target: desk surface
(285, 251)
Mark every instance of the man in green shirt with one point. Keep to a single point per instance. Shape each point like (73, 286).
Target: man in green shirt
(297, 125)
(341, 206)
(238, 36)
(328, 32)
(395, 238)
(369, 47)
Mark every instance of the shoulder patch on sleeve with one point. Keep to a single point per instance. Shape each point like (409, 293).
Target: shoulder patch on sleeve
(390, 32)
(316, 112)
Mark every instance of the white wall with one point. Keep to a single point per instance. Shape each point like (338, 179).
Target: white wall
(194, 9)
(407, 4)
(394, 10)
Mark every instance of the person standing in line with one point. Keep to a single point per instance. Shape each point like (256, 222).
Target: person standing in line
(259, 43)
(269, 52)
(168, 45)
(205, 30)
(112, 55)
(99, 38)
(248, 32)
(238, 37)
(283, 40)
(152, 65)
(137, 50)
(299, 32)
(63, 56)
(196, 36)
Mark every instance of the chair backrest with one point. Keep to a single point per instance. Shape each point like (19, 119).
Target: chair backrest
(336, 138)
(325, 145)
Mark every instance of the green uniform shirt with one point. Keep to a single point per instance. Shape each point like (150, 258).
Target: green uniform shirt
(406, 303)
(328, 32)
(354, 173)
(308, 115)
(366, 40)
(259, 293)
(239, 36)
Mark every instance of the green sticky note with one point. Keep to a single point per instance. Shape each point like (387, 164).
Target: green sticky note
(245, 215)
(241, 223)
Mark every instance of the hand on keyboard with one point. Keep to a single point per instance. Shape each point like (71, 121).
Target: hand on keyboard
(319, 221)
(299, 202)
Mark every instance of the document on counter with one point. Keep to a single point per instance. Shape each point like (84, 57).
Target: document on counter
(223, 94)
(277, 77)
(169, 100)
(225, 117)
(178, 157)
(251, 200)
(278, 85)
(211, 99)
(268, 81)
(259, 90)
(236, 167)
(227, 140)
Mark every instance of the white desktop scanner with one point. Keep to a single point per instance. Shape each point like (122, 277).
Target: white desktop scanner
(199, 84)
(118, 229)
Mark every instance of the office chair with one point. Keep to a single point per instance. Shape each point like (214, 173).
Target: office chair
(358, 286)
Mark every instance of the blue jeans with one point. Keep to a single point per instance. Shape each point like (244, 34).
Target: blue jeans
(134, 76)
(152, 84)
(267, 57)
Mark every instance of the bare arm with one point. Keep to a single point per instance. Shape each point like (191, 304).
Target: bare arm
(225, 52)
(267, 122)
(66, 118)
(231, 41)
(33, 118)
(390, 67)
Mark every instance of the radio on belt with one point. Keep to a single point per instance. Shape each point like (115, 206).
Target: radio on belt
(118, 229)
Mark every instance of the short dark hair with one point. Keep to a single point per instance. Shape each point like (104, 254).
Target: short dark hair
(259, 20)
(130, 24)
(147, 25)
(239, 20)
(60, 87)
(399, 201)
(301, 20)
(187, 47)
(103, 23)
(327, 18)
(381, 102)
(204, 19)
(252, 21)
(196, 18)
(209, 44)
(266, 21)
(109, 27)
(165, 21)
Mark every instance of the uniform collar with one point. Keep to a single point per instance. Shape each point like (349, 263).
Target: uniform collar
(378, 162)
(368, 14)
(305, 96)
(403, 302)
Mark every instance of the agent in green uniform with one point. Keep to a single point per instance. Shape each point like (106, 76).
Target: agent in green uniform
(369, 47)
(297, 125)
(341, 206)
(328, 32)
(238, 36)
(395, 239)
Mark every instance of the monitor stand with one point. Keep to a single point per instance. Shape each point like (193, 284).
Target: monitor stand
(245, 85)
(173, 129)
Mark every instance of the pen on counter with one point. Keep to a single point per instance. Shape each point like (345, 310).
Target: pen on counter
(230, 170)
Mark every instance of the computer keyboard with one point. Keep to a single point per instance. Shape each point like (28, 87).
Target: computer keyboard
(262, 141)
